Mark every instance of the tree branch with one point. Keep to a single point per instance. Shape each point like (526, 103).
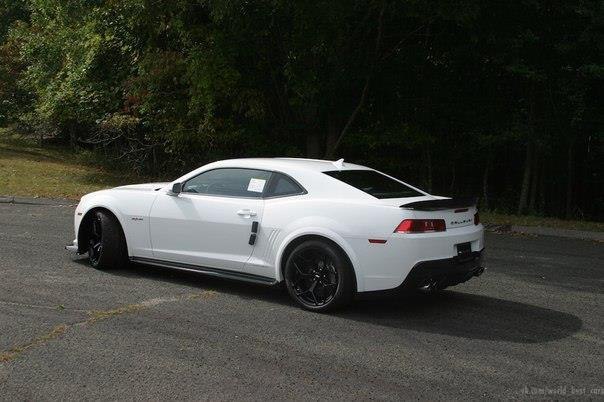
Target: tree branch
(378, 40)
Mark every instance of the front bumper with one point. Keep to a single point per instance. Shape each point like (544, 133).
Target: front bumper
(438, 274)
(73, 247)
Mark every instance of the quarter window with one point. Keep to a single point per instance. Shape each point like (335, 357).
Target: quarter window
(230, 182)
(281, 186)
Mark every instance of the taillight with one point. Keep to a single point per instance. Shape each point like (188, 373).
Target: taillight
(476, 218)
(421, 226)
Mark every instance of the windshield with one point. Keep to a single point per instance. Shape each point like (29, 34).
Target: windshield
(374, 183)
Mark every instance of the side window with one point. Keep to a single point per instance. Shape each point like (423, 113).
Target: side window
(282, 185)
(231, 182)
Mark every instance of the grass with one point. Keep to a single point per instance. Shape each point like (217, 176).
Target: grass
(27, 169)
(17, 350)
(527, 220)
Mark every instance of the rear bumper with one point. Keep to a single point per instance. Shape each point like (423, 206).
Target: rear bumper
(387, 266)
(437, 274)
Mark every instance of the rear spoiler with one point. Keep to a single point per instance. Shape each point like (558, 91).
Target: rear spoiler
(438, 205)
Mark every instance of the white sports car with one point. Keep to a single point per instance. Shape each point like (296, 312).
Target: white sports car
(326, 229)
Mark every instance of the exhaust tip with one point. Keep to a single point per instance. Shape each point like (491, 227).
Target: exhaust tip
(430, 286)
(479, 271)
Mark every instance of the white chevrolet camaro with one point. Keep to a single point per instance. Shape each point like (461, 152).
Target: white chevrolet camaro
(326, 229)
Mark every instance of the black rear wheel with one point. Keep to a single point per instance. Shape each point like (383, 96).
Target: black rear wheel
(106, 243)
(318, 276)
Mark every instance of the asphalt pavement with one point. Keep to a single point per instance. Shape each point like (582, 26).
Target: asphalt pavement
(531, 327)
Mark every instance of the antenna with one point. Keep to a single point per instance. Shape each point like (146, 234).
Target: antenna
(339, 164)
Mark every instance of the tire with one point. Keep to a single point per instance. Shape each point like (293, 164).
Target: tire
(106, 244)
(318, 276)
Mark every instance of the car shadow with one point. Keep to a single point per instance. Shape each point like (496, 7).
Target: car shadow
(467, 315)
(450, 313)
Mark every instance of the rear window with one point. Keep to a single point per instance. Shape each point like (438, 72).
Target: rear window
(374, 183)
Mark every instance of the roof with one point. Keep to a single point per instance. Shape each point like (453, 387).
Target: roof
(306, 171)
(316, 165)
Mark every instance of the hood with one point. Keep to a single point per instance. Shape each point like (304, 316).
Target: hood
(143, 187)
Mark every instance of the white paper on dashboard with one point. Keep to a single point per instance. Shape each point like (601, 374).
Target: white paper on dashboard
(256, 185)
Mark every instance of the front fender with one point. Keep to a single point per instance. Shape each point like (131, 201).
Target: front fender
(94, 201)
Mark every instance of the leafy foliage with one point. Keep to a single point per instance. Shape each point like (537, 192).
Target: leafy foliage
(501, 99)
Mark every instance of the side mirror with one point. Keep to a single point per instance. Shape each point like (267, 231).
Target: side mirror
(176, 188)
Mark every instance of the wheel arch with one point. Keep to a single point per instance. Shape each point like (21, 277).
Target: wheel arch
(84, 227)
(291, 242)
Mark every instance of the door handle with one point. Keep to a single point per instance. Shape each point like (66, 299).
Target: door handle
(246, 213)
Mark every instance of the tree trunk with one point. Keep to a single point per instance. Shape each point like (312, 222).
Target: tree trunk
(526, 178)
(541, 202)
(154, 161)
(569, 181)
(428, 169)
(72, 135)
(529, 156)
(331, 137)
(485, 181)
(453, 174)
(534, 181)
(330, 151)
(313, 145)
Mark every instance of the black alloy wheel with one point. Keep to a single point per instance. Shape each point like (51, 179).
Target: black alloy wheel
(106, 241)
(318, 276)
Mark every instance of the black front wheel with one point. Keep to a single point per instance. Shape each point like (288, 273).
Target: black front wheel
(318, 276)
(106, 242)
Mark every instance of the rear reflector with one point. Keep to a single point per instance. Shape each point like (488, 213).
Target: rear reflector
(421, 226)
(476, 218)
(377, 241)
